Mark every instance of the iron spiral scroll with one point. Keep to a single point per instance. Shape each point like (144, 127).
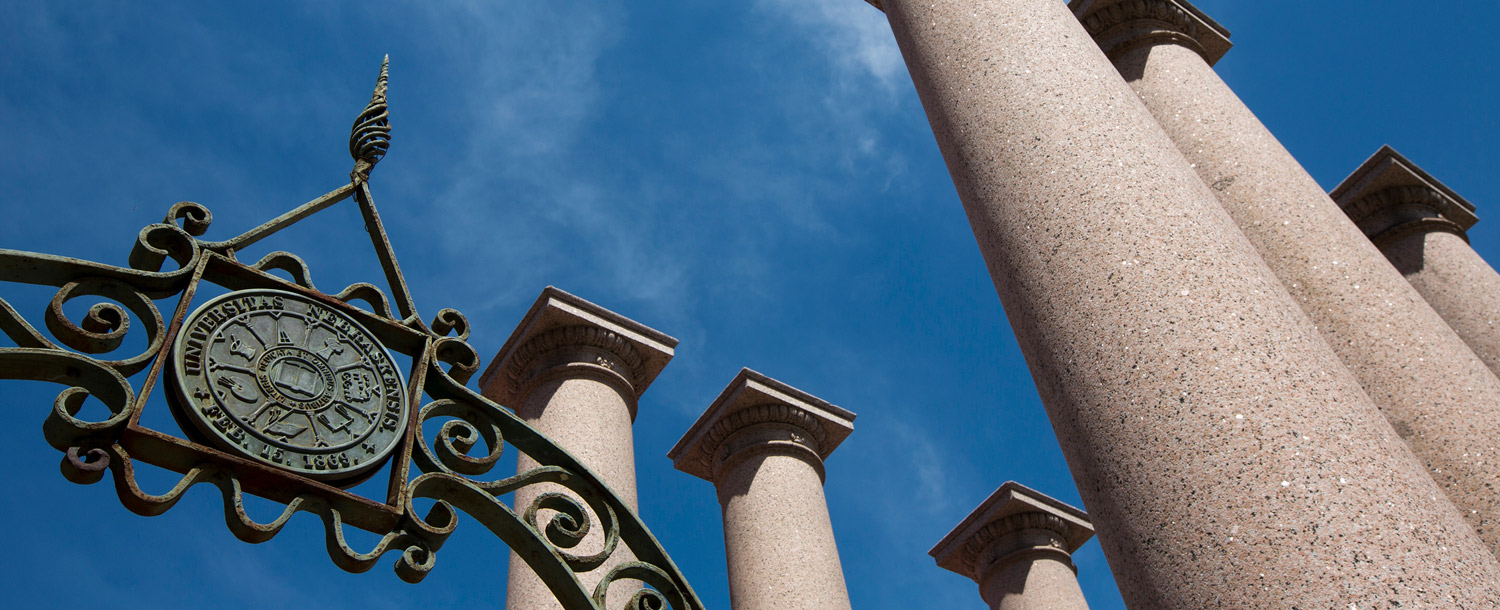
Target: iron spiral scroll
(444, 450)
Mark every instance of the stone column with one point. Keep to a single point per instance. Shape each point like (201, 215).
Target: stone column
(1437, 394)
(762, 444)
(574, 371)
(1226, 455)
(1421, 226)
(1018, 545)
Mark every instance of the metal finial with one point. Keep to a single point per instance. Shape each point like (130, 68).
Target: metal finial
(371, 135)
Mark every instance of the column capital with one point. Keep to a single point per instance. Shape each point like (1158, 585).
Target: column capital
(1014, 523)
(756, 413)
(1389, 197)
(564, 334)
(1120, 25)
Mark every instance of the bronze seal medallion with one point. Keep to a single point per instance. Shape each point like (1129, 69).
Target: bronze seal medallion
(280, 378)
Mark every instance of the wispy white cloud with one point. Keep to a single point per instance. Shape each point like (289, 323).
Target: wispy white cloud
(918, 479)
(518, 203)
(854, 73)
(535, 74)
(926, 466)
(531, 201)
(855, 36)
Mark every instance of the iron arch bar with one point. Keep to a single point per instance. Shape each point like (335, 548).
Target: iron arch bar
(169, 260)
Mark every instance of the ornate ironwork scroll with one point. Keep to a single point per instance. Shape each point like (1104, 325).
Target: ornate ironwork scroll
(289, 393)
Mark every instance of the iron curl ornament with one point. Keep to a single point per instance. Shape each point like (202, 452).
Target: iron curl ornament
(289, 393)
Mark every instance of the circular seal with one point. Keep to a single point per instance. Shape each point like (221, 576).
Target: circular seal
(279, 378)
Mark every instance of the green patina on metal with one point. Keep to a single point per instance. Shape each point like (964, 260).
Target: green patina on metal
(472, 430)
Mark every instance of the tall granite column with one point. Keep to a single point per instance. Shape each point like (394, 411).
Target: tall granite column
(574, 371)
(1018, 545)
(1225, 454)
(1438, 395)
(1421, 225)
(762, 444)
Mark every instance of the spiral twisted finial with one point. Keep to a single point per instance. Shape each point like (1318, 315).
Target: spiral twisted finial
(371, 135)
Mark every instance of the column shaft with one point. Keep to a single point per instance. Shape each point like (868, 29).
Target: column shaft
(1225, 454)
(1437, 394)
(1015, 587)
(778, 538)
(1460, 285)
(1018, 546)
(575, 371)
(762, 444)
(592, 421)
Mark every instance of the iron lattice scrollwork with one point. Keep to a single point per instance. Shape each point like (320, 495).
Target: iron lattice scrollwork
(471, 430)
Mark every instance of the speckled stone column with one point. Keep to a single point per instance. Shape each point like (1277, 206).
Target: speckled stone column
(1421, 226)
(1018, 545)
(574, 371)
(762, 444)
(1437, 394)
(1225, 454)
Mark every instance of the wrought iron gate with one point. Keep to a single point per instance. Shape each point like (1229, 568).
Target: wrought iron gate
(289, 393)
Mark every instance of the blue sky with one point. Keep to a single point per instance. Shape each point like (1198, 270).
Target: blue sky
(754, 178)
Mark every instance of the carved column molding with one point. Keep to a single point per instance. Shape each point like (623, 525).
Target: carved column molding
(576, 351)
(1018, 546)
(1174, 366)
(575, 371)
(1122, 25)
(768, 428)
(762, 444)
(1421, 225)
(1388, 215)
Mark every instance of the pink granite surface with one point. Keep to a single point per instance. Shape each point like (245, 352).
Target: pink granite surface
(1460, 285)
(1436, 393)
(1042, 583)
(1226, 455)
(575, 371)
(762, 444)
(1422, 228)
(1017, 545)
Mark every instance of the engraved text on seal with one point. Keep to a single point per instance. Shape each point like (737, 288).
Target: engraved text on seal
(277, 377)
